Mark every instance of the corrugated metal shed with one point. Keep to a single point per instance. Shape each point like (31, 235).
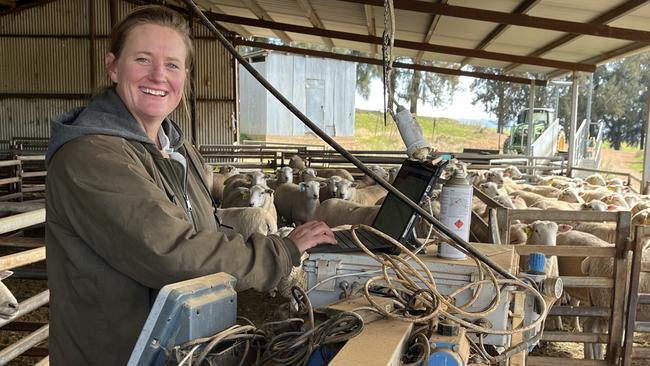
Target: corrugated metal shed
(323, 89)
(50, 64)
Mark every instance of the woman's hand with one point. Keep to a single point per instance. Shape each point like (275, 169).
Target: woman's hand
(311, 234)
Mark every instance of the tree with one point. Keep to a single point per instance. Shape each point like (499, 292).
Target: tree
(503, 99)
(412, 86)
(620, 99)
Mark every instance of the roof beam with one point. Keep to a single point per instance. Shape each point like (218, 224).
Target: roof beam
(216, 9)
(522, 20)
(404, 44)
(630, 48)
(432, 28)
(604, 18)
(374, 61)
(522, 8)
(254, 7)
(314, 19)
(11, 3)
(370, 22)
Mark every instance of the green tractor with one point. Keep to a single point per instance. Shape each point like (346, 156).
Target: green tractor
(517, 142)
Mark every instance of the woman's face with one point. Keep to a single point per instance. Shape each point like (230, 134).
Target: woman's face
(150, 72)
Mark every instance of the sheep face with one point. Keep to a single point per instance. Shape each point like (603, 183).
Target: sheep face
(495, 176)
(307, 174)
(285, 175)
(490, 189)
(258, 195)
(345, 189)
(311, 189)
(594, 205)
(542, 232)
(570, 195)
(332, 184)
(513, 172)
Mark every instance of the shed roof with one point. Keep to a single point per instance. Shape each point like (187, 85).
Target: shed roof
(548, 37)
(545, 37)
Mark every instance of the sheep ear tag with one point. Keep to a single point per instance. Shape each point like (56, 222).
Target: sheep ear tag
(301, 187)
(246, 195)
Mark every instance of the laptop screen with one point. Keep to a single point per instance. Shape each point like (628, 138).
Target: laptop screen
(413, 180)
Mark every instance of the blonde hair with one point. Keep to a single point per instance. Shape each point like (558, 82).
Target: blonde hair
(158, 15)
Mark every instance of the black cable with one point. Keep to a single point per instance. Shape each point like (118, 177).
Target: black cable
(458, 241)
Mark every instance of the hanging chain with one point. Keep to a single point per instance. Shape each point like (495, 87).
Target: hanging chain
(388, 39)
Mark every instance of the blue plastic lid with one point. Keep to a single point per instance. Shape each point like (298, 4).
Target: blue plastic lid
(536, 263)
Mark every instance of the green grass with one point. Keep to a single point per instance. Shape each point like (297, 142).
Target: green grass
(447, 134)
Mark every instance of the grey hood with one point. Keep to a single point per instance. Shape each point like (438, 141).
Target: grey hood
(105, 115)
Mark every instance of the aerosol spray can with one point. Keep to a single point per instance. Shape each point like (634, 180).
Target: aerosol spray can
(456, 211)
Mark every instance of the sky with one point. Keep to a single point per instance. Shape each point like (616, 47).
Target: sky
(460, 107)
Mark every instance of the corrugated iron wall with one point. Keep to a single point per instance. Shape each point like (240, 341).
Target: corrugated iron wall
(46, 70)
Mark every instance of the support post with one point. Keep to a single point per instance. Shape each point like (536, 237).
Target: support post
(574, 123)
(590, 95)
(531, 129)
(645, 185)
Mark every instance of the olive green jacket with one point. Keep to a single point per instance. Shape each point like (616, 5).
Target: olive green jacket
(119, 228)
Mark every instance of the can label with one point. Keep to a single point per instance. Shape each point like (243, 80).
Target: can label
(456, 209)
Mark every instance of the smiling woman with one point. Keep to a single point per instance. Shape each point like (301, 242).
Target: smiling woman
(128, 209)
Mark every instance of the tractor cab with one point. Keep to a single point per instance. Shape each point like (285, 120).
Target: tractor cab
(517, 141)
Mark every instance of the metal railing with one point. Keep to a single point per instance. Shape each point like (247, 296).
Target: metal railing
(19, 259)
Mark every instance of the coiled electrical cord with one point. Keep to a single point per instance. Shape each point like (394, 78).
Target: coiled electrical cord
(407, 279)
(294, 348)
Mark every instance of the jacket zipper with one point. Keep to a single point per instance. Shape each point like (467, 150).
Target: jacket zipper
(188, 204)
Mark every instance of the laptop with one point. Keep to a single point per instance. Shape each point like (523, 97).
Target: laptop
(395, 218)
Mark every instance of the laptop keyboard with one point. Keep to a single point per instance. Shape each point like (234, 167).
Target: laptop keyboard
(369, 239)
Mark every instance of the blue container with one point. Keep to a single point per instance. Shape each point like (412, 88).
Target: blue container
(537, 263)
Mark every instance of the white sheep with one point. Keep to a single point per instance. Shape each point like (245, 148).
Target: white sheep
(246, 221)
(244, 180)
(546, 191)
(368, 196)
(551, 204)
(595, 194)
(602, 297)
(336, 212)
(571, 266)
(219, 179)
(491, 189)
(296, 163)
(282, 176)
(329, 190)
(616, 199)
(513, 172)
(596, 180)
(544, 233)
(8, 302)
(307, 174)
(596, 205)
(528, 197)
(296, 203)
(570, 195)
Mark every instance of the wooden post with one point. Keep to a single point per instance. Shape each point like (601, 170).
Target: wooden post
(635, 273)
(574, 123)
(519, 298)
(619, 292)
